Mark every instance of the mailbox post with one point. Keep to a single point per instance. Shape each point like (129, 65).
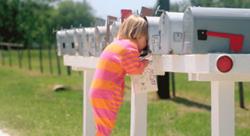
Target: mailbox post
(87, 65)
(206, 67)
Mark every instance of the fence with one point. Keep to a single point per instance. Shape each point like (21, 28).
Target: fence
(37, 58)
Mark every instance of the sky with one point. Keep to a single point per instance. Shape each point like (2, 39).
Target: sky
(102, 8)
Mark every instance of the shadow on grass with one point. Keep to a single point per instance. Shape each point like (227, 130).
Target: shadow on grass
(191, 103)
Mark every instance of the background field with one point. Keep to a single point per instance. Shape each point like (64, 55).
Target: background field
(29, 107)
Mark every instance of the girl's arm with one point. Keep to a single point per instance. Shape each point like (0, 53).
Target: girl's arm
(131, 62)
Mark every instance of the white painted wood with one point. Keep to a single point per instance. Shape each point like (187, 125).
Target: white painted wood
(138, 120)
(219, 77)
(80, 62)
(88, 121)
(204, 63)
(222, 115)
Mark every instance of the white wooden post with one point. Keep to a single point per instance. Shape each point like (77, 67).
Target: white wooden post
(222, 115)
(88, 121)
(138, 122)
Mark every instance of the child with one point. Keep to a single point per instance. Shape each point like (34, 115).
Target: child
(119, 58)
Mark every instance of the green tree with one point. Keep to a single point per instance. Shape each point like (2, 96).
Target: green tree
(69, 13)
(222, 3)
(33, 21)
(8, 24)
(202, 3)
(162, 5)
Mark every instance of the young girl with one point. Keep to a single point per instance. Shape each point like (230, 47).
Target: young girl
(119, 58)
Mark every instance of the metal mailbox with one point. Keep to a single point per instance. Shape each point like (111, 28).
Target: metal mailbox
(71, 41)
(80, 42)
(66, 42)
(114, 29)
(100, 35)
(90, 41)
(215, 30)
(171, 33)
(153, 33)
(61, 42)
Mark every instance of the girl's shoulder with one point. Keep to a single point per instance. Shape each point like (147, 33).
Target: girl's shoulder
(127, 44)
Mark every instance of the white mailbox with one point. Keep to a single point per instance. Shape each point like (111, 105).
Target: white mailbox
(61, 42)
(71, 40)
(171, 33)
(90, 41)
(66, 42)
(153, 33)
(114, 29)
(213, 30)
(81, 42)
(100, 34)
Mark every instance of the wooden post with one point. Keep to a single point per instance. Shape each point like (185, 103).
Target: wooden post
(58, 62)
(88, 121)
(222, 95)
(50, 60)
(173, 83)
(41, 58)
(241, 91)
(9, 55)
(138, 121)
(29, 58)
(19, 57)
(2, 55)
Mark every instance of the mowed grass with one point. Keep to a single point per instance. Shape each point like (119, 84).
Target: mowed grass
(29, 107)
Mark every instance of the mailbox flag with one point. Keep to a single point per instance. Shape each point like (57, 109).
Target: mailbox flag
(235, 40)
(125, 13)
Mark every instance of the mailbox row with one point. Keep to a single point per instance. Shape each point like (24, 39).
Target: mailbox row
(80, 41)
(198, 30)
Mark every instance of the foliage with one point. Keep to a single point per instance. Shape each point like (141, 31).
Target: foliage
(73, 14)
(32, 21)
(181, 6)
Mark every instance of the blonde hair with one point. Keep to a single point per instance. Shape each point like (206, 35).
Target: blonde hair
(133, 28)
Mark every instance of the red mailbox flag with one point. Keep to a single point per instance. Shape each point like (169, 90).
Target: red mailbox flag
(125, 13)
(146, 11)
(235, 40)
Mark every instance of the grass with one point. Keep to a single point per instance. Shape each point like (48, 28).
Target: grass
(29, 107)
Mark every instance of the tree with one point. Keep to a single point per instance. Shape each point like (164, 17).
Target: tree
(222, 3)
(71, 13)
(33, 21)
(162, 5)
(8, 25)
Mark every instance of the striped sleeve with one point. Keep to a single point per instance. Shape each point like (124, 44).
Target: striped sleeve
(131, 62)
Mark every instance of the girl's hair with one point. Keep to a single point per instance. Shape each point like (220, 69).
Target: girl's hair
(133, 28)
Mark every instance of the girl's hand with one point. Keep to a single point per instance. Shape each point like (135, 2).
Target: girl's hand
(145, 62)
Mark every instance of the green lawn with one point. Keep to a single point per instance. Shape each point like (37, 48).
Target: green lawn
(29, 107)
